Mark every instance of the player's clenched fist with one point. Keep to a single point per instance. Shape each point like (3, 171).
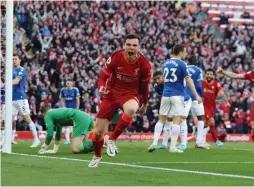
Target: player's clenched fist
(219, 70)
(142, 109)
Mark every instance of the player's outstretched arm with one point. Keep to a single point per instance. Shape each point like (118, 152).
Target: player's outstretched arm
(191, 85)
(230, 74)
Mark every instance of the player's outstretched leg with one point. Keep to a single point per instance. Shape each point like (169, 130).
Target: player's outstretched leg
(121, 125)
(32, 127)
(157, 132)
(214, 134)
(165, 136)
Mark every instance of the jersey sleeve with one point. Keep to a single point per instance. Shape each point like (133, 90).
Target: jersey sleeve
(110, 64)
(77, 94)
(58, 133)
(50, 127)
(247, 76)
(61, 93)
(200, 75)
(146, 72)
(184, 70)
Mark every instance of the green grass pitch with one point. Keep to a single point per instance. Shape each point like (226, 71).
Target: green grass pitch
(233, 164)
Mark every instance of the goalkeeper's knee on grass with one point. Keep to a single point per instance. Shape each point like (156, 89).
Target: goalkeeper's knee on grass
(84, 147)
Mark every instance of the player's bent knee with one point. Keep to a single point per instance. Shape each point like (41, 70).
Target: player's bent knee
(130, 112)
(75, 150)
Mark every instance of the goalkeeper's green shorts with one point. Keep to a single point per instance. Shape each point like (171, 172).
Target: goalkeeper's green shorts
(82, 123)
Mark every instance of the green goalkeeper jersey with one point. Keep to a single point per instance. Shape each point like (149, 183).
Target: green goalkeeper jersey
(61, 117)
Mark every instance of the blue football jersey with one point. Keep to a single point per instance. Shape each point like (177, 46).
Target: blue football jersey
(174, 71)
(69, 96)
(19, 90)
(158, 88)
(3, 95)
(197, 77)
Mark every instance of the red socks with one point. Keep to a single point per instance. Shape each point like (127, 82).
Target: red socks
(213, 131)
(97, 143)
(121, 125)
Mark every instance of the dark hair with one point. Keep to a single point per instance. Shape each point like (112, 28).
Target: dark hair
(193, 60)
(131, 36)
(210, 69)
(44, 108)
(157, 73)
(178, 48)
(68, 79)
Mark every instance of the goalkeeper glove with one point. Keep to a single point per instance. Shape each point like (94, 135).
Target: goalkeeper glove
(43, 149)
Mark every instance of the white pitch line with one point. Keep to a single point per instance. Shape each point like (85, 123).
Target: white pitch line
(193, 162)
(144, 167)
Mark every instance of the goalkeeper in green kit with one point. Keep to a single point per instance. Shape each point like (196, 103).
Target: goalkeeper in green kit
(82, 125)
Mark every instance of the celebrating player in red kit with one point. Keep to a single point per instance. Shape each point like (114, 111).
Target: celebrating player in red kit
(245, 76)
(130, 74)
(211, 89)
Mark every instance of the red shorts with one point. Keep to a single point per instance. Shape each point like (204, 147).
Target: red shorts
(252, 113)
(209, 113)
(110, 106)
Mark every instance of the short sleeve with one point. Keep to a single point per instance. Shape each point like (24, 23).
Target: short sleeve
(184, 70)
(61, 93)
(77, 92)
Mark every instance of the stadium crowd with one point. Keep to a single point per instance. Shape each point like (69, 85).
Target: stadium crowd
(72, 39)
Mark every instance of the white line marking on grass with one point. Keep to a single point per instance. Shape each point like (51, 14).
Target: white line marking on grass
(193, 162)
(145, 167)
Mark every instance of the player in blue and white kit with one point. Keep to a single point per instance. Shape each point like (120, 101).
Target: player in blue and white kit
(197, 109)
(69, 98)
(158, 86)
(172, 102)
(19, 98)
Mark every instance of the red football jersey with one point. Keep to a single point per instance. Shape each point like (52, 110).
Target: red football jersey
(126, 77)
(210, 91)
(249, 76)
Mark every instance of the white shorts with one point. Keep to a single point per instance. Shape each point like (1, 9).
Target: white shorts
(187, 107)
(21, 107)
(172, 106)
(197, 109)
(3, 113)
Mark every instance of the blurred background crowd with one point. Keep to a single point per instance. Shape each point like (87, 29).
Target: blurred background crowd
(73, 39)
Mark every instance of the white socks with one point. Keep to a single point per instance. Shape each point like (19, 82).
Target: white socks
(13, 135)
(184, 132)
(166, 133)
(157, 132)
(175, 131)
(67, 133)
(204, 134)
(34, 132)
(200, 132)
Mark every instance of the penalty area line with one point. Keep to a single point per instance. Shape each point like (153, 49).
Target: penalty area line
(142, 166)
